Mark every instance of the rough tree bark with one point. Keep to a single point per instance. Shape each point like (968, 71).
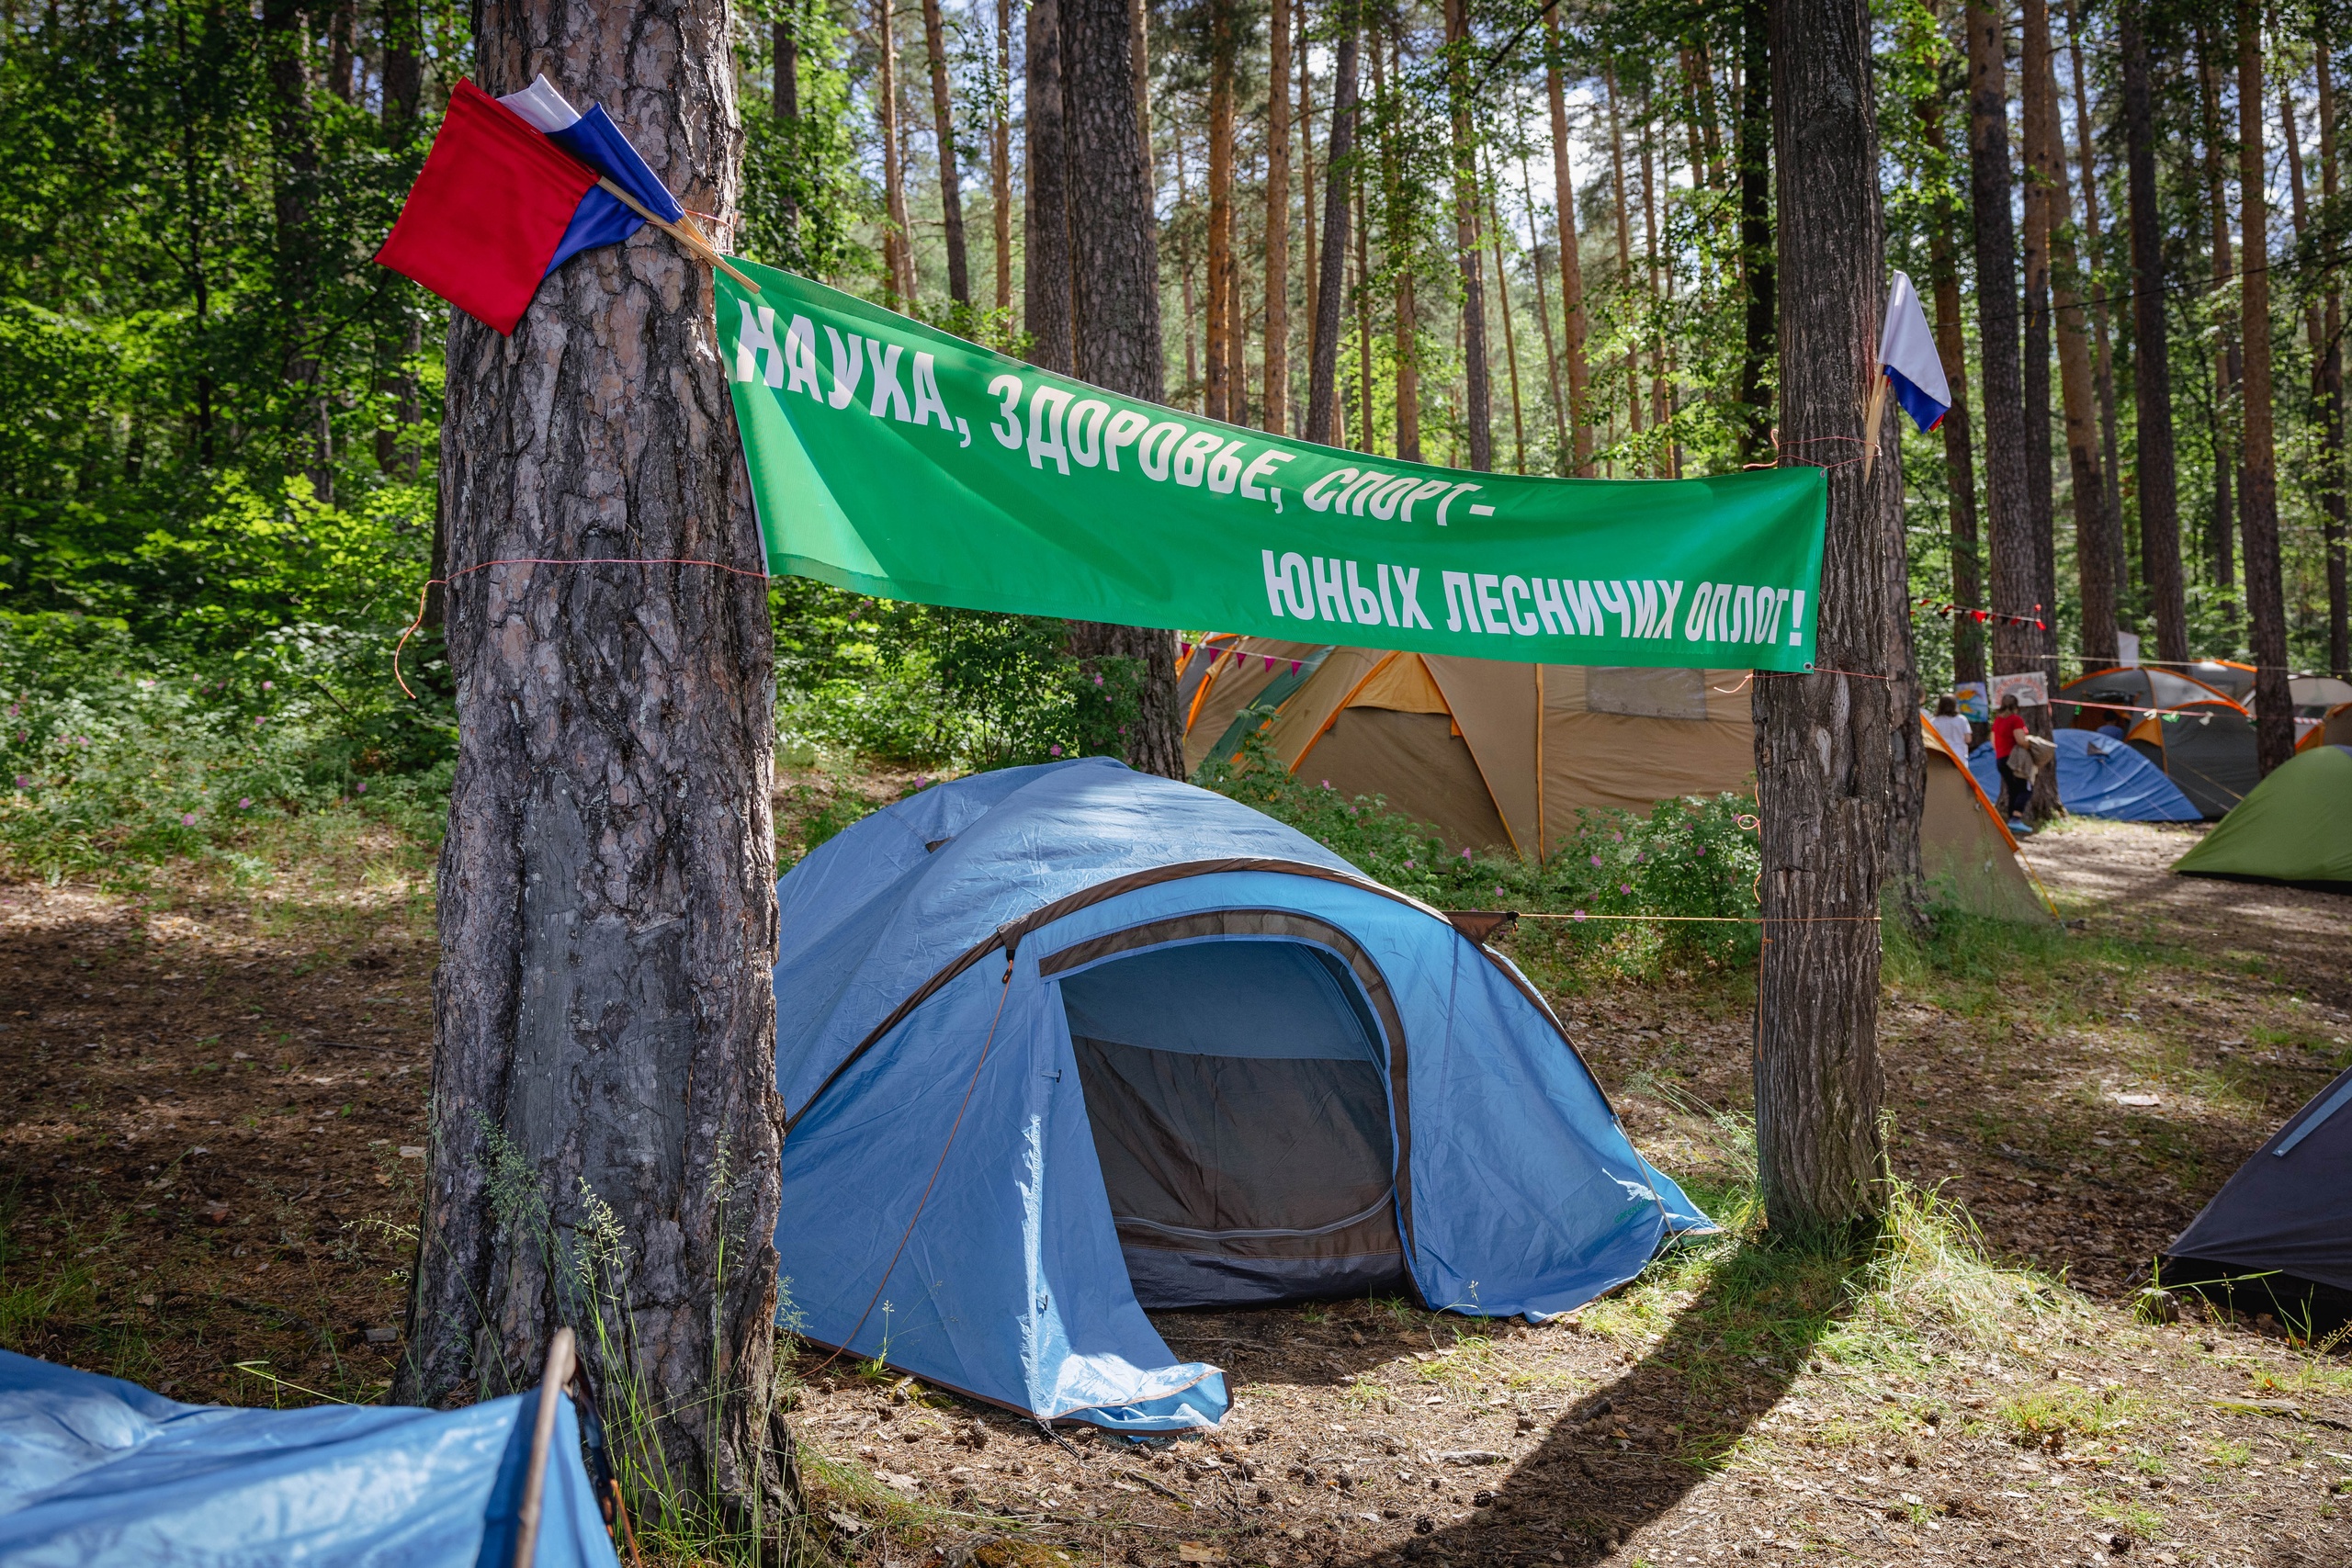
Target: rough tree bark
(1755, 227)
(951, 179)
(2015, 647)
(1476, 412)
(1114, 272)
(2158, 488)
(1277, 403)
(1046, 311)
(1829, 745)
(1338, 150)
(602, 1090)
(1575, 329)
(2265, 597)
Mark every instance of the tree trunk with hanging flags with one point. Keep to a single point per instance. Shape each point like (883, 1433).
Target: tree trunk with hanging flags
(1829, 745)
(604, 1132)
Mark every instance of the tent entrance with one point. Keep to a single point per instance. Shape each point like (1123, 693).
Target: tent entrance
(1238, 1092)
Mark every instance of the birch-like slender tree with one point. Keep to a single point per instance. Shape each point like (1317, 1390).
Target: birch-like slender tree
(951, 179)
(1576, 329)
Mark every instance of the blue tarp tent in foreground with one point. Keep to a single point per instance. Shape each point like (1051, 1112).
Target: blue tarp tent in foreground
(2101, 776)
(97, 1471)
(1059, 1044)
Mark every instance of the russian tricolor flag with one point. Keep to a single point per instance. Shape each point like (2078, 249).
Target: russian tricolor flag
(1906, 353)
(513, 188)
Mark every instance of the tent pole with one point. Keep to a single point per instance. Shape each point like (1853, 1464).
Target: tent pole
(1543, 842)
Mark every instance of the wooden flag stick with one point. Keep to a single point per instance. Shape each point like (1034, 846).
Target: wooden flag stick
(535, 1478)
(1871, 424)
(695, 243)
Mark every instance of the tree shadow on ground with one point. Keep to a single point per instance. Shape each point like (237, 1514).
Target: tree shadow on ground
(1627, 1452)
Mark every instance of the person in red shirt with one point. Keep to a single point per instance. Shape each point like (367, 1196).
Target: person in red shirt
(2007, 725)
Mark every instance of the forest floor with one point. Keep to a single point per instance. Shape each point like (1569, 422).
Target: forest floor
(211, 1166)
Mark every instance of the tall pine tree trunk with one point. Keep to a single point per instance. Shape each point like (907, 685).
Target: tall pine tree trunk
(1001, 157)
(898, 235)
(2156, 471)
(1115, 291)
(1829, 745)
(1756, 250)
(1624, 248)
(2221, 553)
(2017, 647)
(950, 180)
(1510, 339)
(1220, 280)
(1960, 463)
(1575, 329)
(1277, 358)
(2266, 598)
(1476, 410)
(1396, 218)
(2331, 396)
(1323, 355)
(1046, 310)
(2037, 132)
(2094, 569)
(2102, 362)
(1560, 458)
(603, 1094)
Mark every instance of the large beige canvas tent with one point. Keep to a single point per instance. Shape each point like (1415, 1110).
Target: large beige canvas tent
(1504, 756)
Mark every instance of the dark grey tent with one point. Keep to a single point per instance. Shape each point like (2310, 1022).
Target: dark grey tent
(2278, 1236)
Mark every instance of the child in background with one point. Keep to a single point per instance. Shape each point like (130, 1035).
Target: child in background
(1952, 727)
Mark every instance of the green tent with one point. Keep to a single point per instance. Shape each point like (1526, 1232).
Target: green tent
(2295, 826)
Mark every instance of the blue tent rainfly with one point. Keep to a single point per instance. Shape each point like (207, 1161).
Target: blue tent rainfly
(95, 1471)
(1058, 1044)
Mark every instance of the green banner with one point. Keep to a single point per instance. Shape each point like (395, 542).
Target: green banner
(891, 459)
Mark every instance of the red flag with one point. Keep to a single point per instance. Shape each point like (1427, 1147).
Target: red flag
(487, 210)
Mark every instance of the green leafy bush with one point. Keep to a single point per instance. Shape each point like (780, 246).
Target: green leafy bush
(927, 686)
(114, 758)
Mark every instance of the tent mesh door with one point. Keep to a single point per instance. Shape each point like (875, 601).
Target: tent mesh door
(1237, 1094)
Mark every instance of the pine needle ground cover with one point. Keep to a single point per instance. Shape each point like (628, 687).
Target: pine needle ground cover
(210, 1186)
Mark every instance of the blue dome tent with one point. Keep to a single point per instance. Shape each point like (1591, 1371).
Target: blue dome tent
(2099, 776)
(1059, 1044)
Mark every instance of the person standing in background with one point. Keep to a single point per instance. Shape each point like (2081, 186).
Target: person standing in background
(1953, 727)
(2007, 725)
